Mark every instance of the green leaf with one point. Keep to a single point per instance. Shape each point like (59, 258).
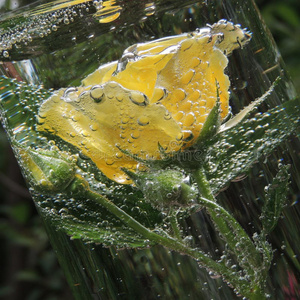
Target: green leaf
(233, 151)
(275, 199)
(86, 214)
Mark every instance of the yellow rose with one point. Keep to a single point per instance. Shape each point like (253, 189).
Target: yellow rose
(158, 94)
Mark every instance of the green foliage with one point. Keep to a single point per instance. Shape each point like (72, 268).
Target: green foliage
(233, 151)
(275, 199)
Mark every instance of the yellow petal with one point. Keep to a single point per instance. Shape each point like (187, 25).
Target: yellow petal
(233, 36)
(101, 75)
(167, 44)
(191, 79)
(139, 75)
(139, 70)
(184, 73)
(159, 92)
(100, 120)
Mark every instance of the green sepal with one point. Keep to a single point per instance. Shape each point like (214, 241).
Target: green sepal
(246, 112)
(48, 170)
(211, 125)
(164, 189)
(78, 187)
(166, 160)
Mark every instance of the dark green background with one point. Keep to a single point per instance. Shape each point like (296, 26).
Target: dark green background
(29, 269)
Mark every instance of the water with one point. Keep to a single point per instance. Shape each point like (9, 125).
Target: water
(57, 46)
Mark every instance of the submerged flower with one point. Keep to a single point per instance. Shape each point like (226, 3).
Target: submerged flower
(158, 95)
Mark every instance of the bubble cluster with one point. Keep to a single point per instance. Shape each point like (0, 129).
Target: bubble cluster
(19, 108)
(40, 23)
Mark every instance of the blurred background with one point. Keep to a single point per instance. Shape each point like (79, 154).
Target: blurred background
(29, 269)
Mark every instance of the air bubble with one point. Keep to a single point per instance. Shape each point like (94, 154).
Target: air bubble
(159, 94)
(82, 96)
(123, 61)
(125, 120)
(42, 114)
(179, 95)
(97, 93)
(84, 133)
(189, 120)
(119, 97)
(5, 53)
(187, 135)
(150, 9)
(109, 161)
(94, 126)
(179, 115)
(143, 121)
(70, 94)
(98, 4)
(167, 116)
(187, 77)
(75, 118)
(138, 98)
(135, 135)
(195, 62)
(179, 137)
(119, 155)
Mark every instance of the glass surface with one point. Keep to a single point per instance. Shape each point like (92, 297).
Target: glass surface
(104, 254)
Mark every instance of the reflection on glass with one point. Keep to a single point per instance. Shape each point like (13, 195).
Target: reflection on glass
(158, 149)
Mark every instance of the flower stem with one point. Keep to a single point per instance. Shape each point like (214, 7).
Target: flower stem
(203, 184)
(249, 258)
(217, 268)
(174, 224)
